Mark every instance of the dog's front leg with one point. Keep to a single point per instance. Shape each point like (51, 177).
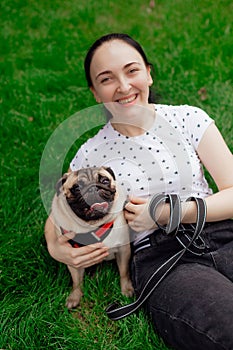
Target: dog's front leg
(122, 258)
(73, 299)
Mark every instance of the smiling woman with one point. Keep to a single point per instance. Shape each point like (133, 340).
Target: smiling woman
(120, 75)
(160, 150)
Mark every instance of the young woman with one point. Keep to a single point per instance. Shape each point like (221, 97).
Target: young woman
(161, 149)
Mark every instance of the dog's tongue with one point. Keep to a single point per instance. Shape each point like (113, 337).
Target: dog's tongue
(103, 207)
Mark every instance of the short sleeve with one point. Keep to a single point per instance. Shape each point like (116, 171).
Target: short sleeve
(197, 122)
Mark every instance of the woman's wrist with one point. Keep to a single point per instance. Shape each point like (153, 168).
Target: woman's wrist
(162, 214)
(188, 212)
(160, 210)
(165, 210)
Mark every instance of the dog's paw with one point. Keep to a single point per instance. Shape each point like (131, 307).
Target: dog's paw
(127, 288)
(74, 298)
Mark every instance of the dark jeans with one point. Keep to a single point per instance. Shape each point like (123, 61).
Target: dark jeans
(192, 308)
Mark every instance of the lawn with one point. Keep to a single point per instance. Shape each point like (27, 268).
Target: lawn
(42, 83)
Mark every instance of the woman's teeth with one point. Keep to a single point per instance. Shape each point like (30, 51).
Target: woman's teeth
(127, 100)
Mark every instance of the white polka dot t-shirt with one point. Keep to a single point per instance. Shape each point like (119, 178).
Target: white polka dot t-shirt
(162, 160)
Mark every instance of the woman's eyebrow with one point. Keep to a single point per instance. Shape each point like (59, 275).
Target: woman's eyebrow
(131, 63)
(109, 71)
(102, 73)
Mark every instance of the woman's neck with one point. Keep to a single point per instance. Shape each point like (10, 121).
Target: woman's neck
(135, 125)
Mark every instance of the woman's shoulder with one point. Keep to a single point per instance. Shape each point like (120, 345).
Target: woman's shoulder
(186, 114)
(192, 121)
(178, 108)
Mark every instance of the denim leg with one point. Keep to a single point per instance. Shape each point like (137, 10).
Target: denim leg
(220, 238)
(193, 309)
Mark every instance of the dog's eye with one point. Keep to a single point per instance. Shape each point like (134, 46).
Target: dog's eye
(105, 181)
(74, 189)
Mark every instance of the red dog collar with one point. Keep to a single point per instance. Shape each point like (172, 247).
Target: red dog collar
(82, 239)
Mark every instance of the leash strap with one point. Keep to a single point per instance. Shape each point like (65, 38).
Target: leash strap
(194, 244)
(116, 312)
(175, 211)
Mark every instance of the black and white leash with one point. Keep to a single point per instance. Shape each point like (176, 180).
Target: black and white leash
(116, 312)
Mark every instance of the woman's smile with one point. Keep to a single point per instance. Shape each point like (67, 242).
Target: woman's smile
(127, 100)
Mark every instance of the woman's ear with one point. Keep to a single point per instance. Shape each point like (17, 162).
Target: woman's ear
(98, 100)
(150, 80)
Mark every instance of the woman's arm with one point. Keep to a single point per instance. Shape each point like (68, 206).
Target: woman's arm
(60, 249)
(218, 160)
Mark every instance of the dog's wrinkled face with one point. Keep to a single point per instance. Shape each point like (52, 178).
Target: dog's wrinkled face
(90, 192)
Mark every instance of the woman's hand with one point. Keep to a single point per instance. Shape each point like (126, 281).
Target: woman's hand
(61, 250)
(137, 214)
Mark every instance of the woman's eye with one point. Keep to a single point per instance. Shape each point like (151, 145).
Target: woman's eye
(105, 80)
(133, 70)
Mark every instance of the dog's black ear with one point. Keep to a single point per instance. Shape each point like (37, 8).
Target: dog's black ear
(60, 182)
(111, 172)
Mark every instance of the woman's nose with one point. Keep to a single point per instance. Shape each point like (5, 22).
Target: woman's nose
(124, 85)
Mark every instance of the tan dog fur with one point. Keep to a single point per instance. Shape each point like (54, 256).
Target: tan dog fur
(118, 240)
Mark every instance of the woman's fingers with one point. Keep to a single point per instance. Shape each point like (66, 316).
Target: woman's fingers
(95, 260)
(89, 255)
(137, 214)
(81, 257)
(134, 205)
(138, 200)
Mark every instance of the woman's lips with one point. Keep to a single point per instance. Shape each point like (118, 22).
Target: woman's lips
(126, 100)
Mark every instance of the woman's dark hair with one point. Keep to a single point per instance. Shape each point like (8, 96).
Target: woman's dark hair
(109, 37)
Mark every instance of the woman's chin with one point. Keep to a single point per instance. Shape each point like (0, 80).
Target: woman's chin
(129, 110)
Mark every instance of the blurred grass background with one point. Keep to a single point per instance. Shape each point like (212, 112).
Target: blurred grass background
(42, 47)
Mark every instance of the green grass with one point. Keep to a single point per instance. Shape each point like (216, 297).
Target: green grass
(42, 46)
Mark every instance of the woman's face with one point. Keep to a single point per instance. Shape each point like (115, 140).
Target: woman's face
(119, 75)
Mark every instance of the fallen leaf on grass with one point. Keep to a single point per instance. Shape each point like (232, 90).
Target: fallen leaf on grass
(202, 93)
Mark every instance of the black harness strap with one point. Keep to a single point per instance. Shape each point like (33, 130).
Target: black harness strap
(116, 312)
(95, 236)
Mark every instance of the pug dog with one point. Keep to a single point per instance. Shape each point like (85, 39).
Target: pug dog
(89, 203)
